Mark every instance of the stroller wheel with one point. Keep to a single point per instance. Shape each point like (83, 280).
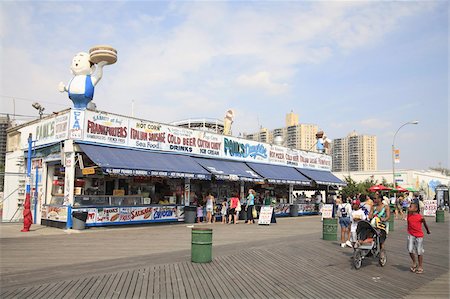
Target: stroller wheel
(357, 259)
(382, 260)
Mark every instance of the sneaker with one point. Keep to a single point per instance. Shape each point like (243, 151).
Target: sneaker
(349, 244)
(342, 245)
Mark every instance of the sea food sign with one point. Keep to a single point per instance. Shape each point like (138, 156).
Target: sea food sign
(236, 148)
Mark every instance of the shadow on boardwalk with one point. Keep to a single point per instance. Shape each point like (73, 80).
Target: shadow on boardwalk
(292, 266)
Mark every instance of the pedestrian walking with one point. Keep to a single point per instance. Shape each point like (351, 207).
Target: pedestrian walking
(223, 211)
(250, 206)
(234, 201)
(200, 213)
(415, 236)
(210, 202)
(379, 215)
(343, 212)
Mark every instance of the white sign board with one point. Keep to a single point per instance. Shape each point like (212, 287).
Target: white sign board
(265, 215)
(327, 211)
(430, 208)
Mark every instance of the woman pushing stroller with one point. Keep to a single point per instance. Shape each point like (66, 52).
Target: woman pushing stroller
(379, 215)
(371, 236)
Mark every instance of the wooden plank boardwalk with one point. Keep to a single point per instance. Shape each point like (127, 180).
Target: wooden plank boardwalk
(304, 267)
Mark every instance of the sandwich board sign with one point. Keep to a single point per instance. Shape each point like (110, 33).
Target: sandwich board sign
(265, 215)
(327, 211)
(430, 208)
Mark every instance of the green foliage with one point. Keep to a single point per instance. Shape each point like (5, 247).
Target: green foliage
(353, 188)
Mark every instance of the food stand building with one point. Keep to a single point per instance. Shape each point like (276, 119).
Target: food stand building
(125, 170)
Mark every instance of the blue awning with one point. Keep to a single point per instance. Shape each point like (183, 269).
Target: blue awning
(137, 162)
(277, 174)
(322, 177)
(229, 170)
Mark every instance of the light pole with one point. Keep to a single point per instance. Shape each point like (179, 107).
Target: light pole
(415, 122)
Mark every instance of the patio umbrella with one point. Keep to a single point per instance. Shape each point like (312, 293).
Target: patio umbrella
(411, 189)
(379, 188)
(400, 189)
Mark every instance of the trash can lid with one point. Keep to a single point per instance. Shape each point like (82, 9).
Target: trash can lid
(197, 228)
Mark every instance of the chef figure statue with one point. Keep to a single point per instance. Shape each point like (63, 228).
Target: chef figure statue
(86, 75)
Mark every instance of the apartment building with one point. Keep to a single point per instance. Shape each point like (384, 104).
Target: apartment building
(354, 153)
(294, 135)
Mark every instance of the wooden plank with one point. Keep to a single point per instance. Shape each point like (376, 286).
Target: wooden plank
(156, 282)
(126, 285)
(182, 292)
(73, 288)
(228, 278)
(61, 287)
(15, 293)
(35, 291)
(48, 291)
(89, 285)
(224, 279)
(132, 287)
(103, 290)
(31, 290)
(167, 282)
(138, 285)
(81, 287)
(175, 282)
(114, 290)
(145, 283)
(186, 282)
(119, 288)
(190, 279)
(237, 286)
(99, 283)
(209, 280)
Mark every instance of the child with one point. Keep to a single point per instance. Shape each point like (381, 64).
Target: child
(223, 212)
(356, 215)
(415, 236)
(199, 213)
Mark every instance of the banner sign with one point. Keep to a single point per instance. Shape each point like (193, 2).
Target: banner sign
(111, 129)
(430, 208)
(265, 215)
(49, 130)
(58, 213)
(122, 215)
(397, 156)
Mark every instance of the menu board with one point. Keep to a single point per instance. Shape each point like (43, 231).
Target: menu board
(265, 215)
(430, 207)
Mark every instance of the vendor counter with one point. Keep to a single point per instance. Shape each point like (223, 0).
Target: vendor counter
(283, 210)
(111, 210)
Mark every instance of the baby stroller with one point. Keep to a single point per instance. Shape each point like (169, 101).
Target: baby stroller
(368, 244)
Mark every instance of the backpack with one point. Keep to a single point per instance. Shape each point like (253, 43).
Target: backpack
(343, 211)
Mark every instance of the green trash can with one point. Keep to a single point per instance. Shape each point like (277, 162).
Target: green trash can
(201, 245)
(330, 228)
(440, 216)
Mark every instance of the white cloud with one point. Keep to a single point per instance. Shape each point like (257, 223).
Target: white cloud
(262, 81)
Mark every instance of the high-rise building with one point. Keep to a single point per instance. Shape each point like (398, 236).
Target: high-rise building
(294, 134)
(354, 153)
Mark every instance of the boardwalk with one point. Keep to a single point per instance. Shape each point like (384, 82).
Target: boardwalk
(288, 260)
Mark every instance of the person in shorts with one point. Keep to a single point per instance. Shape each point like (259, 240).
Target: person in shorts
(415, 236)
(343, 212)
(356, 216)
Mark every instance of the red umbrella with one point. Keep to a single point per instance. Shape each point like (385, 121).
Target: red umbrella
(401, 189)
(379, 188)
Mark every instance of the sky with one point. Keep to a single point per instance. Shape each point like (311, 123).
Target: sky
(343, 65)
